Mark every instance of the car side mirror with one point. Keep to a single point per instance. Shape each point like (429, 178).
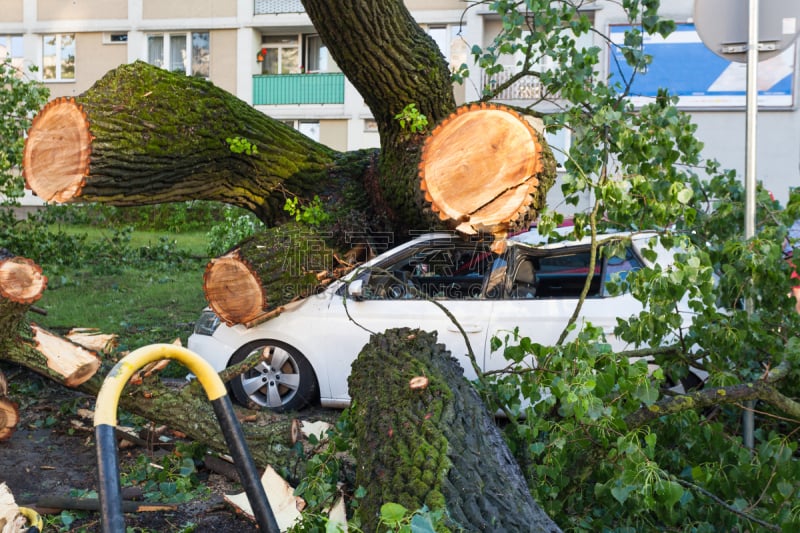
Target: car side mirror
(355, 289)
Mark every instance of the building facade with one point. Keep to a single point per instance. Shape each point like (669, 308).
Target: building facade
(267, 53)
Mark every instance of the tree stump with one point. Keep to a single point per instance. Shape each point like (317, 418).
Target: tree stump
(424, 438)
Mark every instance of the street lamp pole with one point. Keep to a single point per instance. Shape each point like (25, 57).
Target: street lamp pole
(750, 170)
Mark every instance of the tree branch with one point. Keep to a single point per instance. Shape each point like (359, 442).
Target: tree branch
(712, 396)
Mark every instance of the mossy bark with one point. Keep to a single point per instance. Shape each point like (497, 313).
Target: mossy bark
(434, 446)
(163, 137)
(286, 259)
(392, 63)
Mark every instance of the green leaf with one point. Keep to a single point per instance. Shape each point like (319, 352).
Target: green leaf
(422, 524)
(621, 493)
(187, 466)
(393, 513)
(785, 489)
(670, 492)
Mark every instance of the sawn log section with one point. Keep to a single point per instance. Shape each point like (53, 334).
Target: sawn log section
(21, 284)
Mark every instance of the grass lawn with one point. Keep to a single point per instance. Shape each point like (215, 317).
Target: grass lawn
(144, 303)
(194, 243)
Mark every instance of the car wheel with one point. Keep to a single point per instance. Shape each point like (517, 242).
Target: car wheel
(283, 381)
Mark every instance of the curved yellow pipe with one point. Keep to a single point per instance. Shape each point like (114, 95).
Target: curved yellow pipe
(33, 518)
(108, 397)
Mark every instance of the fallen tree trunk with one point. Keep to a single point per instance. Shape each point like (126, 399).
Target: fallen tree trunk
(143, 135)
(70, 364)
(186, 410)
(424, 438)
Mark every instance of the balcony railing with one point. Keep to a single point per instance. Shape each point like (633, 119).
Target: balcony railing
(270, 7)
(284, 89)
(528, 88)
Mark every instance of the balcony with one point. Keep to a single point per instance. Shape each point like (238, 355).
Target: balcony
(273, 7)
(527, 88)
(287, 89)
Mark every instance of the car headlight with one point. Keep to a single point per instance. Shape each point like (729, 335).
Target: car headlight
(207, 324)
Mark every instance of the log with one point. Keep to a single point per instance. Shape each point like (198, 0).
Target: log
(432, 443)
(53, 504)
(143, 135)
(9, 417)
(74, 362)
(21, 284)
(253, 282)
(9, 412)
(21, 280)
(483, 168)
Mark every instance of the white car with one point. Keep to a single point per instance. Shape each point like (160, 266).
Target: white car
(308, 349)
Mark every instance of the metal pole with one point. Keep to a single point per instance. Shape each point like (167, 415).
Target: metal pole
(750, 169)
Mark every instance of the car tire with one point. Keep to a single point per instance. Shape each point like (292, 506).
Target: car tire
(284, 381)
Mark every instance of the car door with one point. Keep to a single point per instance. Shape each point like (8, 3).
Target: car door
(541, 304)
(410, 291)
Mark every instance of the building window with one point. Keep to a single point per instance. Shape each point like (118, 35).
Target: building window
(309, 128)
(282, 55)
(317, 58)
(115, 38)
(11, 47)
(58, 57)
(185, 52)
(451, 43)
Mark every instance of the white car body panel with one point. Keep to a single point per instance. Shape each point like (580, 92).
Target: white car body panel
(320, 328)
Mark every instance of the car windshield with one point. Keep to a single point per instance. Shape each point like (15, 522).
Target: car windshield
(442, 268)
(449, 268)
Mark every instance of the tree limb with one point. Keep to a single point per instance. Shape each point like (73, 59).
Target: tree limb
(711, 396)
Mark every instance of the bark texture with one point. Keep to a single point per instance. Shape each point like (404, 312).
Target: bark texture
(156, 136)
(392, 62)
(431, 442)
(252, 283)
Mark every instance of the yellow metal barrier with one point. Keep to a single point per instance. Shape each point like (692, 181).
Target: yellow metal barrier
(105, 421)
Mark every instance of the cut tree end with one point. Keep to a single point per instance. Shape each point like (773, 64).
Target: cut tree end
(479, 168)
(9, 418)
(21, 280)
(74, 363)
(57, 151)
(233, 289)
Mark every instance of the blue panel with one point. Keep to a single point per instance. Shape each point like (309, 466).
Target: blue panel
(687, 68)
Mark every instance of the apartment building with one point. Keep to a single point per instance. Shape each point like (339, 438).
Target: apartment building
(267, 53)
